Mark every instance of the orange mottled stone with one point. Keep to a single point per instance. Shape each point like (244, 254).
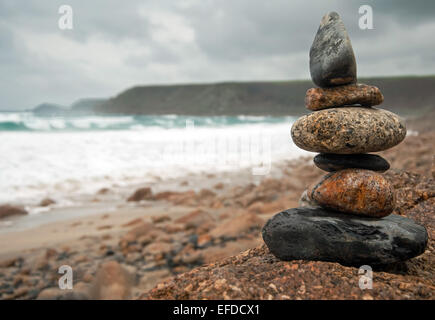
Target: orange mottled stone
(361, 94)
(356, 191)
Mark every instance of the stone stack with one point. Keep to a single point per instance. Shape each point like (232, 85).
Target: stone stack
(346, 216)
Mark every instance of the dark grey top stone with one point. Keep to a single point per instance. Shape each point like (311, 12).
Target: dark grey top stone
(332, 61)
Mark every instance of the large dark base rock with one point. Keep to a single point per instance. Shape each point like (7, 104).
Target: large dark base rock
(321, 235)
(334, 162)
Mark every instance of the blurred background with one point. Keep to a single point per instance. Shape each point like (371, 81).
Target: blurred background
(102, 98)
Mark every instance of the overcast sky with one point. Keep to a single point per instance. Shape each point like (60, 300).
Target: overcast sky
(118, 44)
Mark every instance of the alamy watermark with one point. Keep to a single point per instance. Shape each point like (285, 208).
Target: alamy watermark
(66, 281)
(366, 19)
(219, 149)
(65, 21)
(366, 277)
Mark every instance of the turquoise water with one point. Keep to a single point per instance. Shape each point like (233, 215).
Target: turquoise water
(27, 121)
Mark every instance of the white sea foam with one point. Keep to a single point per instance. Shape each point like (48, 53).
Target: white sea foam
(36, 164)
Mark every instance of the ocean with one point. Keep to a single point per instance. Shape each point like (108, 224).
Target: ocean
(59, 156)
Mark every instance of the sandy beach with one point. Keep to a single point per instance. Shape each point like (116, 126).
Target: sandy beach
(180, 210)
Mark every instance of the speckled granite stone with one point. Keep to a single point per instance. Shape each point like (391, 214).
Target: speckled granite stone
(355, 191)
(351, 94)
(334, 162)
(332, 61)
(348, 130)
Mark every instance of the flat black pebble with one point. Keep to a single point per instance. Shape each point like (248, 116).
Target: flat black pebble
(333, 162)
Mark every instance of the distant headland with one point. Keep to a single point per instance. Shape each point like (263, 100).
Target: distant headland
(410, 96)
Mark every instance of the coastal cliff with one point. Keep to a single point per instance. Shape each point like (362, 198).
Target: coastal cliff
(409, 96)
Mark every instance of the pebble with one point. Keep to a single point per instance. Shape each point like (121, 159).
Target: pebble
(7, 210)
(351, 94)
(356, 191)
(332, 61)
(333, 162)
(348, 130)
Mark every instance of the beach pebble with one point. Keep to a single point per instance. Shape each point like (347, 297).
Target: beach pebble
(348, 130)
(135, 233)
(318, 234)
(11, 262)
(237, 226)
(141, 194)
(333, 162)
(351, 94)
(332, 61)
(46, 202)
(160, 218)
(112, 282)
(55, 293)
(7, 210)
(356, 191)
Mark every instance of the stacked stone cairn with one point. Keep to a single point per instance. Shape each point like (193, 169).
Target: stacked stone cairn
(345, 217)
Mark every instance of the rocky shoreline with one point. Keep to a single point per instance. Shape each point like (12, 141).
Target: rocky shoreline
(113, 255)
(257, 274)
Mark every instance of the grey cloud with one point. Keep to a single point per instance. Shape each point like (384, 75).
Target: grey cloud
(233, 40)
(245, 28)
(110, 18)
(407, 12)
